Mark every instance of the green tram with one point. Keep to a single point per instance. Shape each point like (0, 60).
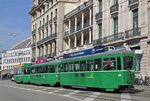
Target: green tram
(22, 73)
(45, 73)
(108, 70)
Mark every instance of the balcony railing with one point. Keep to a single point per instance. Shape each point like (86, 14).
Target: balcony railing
(132, 33)
(42, 26)
(33, 45)
(34, 32)
(55, 19)
(98, 16)
(50, 21)
(46, 24)
(66, 33)
(79, 27)
(114, 8)
(131, 2)
(86, 24)
(72, 30)
(39, 29)
(120, 36)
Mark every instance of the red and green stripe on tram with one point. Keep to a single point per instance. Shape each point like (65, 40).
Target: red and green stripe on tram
(108, 70)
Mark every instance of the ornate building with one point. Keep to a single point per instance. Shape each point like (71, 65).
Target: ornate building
(64, 26)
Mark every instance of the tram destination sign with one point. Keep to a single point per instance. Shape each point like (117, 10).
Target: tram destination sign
(86, 52)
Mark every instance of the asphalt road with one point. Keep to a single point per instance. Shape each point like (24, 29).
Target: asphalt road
(11, 91)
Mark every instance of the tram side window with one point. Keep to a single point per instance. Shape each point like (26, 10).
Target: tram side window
(71, 67)
(52, 69)
(83, 66)
(26, 71)
(65, 66)
(33, 70)
(118, 63)
(61, 68)
(97, 64)
(76, 66)
(109, 64)
(128, 62)
(89, 65)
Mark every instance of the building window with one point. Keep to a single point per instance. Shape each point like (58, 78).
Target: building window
(39, 35)
(135, 22)
(55, 28)
(115, 27)
(100, 31)
(100, 5)
(51, 15)
(51, 29)
(55, 12)
(115, 2)
(46, 32)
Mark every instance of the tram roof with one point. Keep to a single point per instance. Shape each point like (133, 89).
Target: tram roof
(50, 62)
(112, 52)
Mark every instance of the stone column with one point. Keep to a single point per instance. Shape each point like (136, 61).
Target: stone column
(90, 36)
(75, 23)
(82, 38)
(75, 40)
(90, 19)
(82, 20)
(68, 42)
(69, 25)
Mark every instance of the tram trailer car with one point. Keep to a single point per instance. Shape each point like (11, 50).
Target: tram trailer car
(108, 70)
(22, 73)
(45, 73)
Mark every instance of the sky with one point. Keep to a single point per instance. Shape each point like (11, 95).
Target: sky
(15, 22)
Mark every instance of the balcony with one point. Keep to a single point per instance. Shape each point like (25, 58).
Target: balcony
(46, 24)
(98, 16)
(50, 21)
(133, 4)
(66, 33)
(84, 6)
(55, 19)
(34, 32)
(133, 33)
(33, 45)
(114, 10)
(78, 27)
(109, 39)
(42, 27)
(39, 29)
(86, 24)
(72, 30)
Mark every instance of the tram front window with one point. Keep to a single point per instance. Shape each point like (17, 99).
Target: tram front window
(128, 62)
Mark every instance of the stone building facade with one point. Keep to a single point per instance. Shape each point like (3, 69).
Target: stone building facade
(21, 53)
(84, 24)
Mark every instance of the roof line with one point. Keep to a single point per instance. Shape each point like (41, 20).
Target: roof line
(20, 42)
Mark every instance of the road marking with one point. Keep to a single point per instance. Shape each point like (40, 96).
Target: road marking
(125, 97)
(92, 97)
(45, 89)
(74, 92)
(56, 91)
